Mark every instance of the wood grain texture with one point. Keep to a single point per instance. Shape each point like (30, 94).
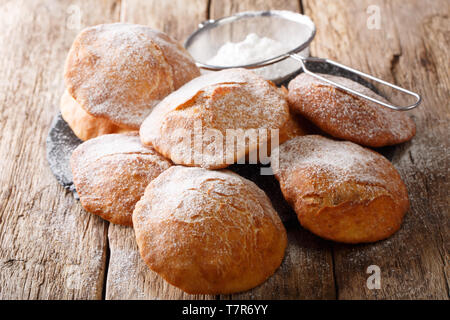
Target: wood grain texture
(410, 49)
(223, 8)
(178, 18)
(306, 271)
(128, 277)
(49, 247)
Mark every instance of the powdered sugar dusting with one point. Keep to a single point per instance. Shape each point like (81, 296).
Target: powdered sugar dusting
(110, 144)
(111, 173)
(187, 186)
(339, 161)
(119, 71)
(213, 101)
(127, 263)
(193, 219)
(346, 116)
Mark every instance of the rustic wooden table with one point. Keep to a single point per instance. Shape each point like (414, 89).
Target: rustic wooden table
(51, 249)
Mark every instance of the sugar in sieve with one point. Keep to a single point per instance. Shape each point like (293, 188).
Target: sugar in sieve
(287, 27)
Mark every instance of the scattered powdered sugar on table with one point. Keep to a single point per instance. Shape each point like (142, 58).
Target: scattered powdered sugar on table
(113, 144)
(127, 264)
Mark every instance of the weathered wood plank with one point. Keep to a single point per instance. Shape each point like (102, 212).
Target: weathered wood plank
(128, 277)
(307, 270)
(223, 8)
(410, 49)
(49, 247)
(305, 273)
(178, 18)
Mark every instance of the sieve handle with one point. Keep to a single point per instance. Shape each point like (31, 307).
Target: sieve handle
(362, 74)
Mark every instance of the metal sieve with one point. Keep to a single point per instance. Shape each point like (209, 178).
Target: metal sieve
(287, 27)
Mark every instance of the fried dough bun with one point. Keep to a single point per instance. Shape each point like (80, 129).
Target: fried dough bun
(340, 190)
(208, 232)
(83, 125)
(346, 116)
(192, 126)
(294, 127)
(120, 71)
(111, 173)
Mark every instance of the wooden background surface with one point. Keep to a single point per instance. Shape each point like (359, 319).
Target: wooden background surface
(51, 249)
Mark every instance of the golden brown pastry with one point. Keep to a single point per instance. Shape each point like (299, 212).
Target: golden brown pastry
(294, 127)
(82, 123)
(340, 190)
(121, 71)
(192, 125)
(208, 232)
(347, 116)
(111, 172)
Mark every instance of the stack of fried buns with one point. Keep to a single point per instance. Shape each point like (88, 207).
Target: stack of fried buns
(154, 157)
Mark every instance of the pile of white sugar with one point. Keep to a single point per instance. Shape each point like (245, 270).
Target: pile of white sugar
(255, 49)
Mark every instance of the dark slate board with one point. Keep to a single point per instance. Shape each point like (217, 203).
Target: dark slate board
(61, 141)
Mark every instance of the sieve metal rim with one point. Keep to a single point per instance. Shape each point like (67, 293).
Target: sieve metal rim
(293, 54)
(288, 15)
